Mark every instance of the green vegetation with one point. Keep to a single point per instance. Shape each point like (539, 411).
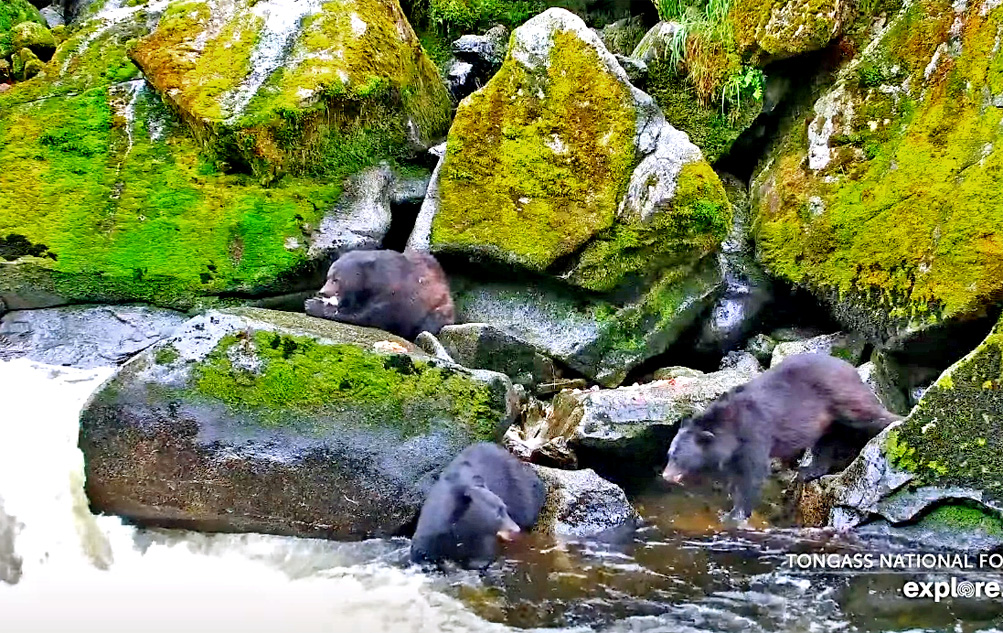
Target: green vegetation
(911, 231)
(964, 519)
(353, 97)
(532, 179)
(953, 436)
(289, 377)
(12, 13)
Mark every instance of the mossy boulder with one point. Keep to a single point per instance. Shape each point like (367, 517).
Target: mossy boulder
(946, 454)
(886, 205)
(35, 37)
(564, 171)
(13, 13)
(26, 64)
(116, 200)
(293, 88)
(272, 422)
(777, 29)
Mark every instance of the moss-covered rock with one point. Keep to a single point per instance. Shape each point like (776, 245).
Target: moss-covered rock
(886, 205)
(776, 29)
(115, 200)
(26, 64)
(282, 87)
(947, 451)
(251, 420)
(12, 13)
(35, 37)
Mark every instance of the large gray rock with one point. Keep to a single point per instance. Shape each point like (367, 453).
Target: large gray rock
(629, 428)
(253, 420)
(84, 336)
(487, 51)
(486, 347)
(582, 504)
(849, 347)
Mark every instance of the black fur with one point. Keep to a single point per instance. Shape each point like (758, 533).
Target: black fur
(478, 492)
(778, 414)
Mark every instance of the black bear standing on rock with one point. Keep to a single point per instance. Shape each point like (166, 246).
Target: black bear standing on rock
(484, 494)
(777, 414)
(401, 293)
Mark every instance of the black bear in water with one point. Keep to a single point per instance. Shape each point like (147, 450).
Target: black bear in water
(401, 293)
(484, 494)
(777, 414)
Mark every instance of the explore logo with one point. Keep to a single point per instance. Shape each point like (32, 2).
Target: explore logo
(941, 589)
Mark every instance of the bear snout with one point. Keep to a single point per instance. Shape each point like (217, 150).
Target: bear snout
(673, 474)
(508, 530)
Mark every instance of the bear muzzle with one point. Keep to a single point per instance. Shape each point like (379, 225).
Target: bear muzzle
(673, 474)
(508, 530)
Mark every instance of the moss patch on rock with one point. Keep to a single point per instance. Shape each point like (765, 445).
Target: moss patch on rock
(128, 210)
(296, 376)
(953, 437)
(351, 79)
(529, 179)
(887, 204)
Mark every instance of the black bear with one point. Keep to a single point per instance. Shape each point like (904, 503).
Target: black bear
(401, 293)
(780, 413)
(484, 494)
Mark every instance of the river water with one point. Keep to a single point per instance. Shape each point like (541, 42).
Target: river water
(63, 569)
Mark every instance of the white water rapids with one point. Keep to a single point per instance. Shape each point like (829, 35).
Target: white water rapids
(76, 572)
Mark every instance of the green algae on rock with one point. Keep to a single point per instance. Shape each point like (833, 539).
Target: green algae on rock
(944, 457)
(886, 205)
(253, 420)
(296, 87)
(776, 29)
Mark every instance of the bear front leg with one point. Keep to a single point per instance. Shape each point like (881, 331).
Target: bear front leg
(751, 470)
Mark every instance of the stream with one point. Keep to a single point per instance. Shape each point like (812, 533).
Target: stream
(62, 568)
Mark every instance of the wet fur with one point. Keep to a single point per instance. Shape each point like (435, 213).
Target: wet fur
(401, 293)
(779, 414)
(457, 525)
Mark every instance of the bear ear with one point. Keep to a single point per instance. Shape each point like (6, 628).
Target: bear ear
(704, 438)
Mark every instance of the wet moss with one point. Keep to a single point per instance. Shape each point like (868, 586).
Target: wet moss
(12, 13)
(964, 518)
(129, 211)
(529, 180)
(953, 437)
(771, 29)
(281, 377)
(698, 219)
(909, 227)
(356, 88)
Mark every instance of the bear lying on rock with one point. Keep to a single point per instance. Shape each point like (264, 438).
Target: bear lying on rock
(780, 413)
(401, 293)
(484, 494)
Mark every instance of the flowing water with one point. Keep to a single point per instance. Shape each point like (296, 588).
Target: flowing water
(63, 569)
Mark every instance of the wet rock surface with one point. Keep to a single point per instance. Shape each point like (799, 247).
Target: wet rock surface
(85, 336)
(582, 504)
(252, 420)
(486, 347)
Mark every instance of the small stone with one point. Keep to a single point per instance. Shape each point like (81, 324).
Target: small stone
(582, 504)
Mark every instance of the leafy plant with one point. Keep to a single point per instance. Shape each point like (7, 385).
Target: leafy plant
(749, 81)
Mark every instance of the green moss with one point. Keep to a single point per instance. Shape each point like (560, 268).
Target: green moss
(530, 180)
(166, 355)
(912, 232)
(953, 437)
(12, 13)
(698, 219)
(964, 518)
(350, 94)
(456, 17)
(770, 29)
(282, 376)
(141, 222)
(710, 127)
